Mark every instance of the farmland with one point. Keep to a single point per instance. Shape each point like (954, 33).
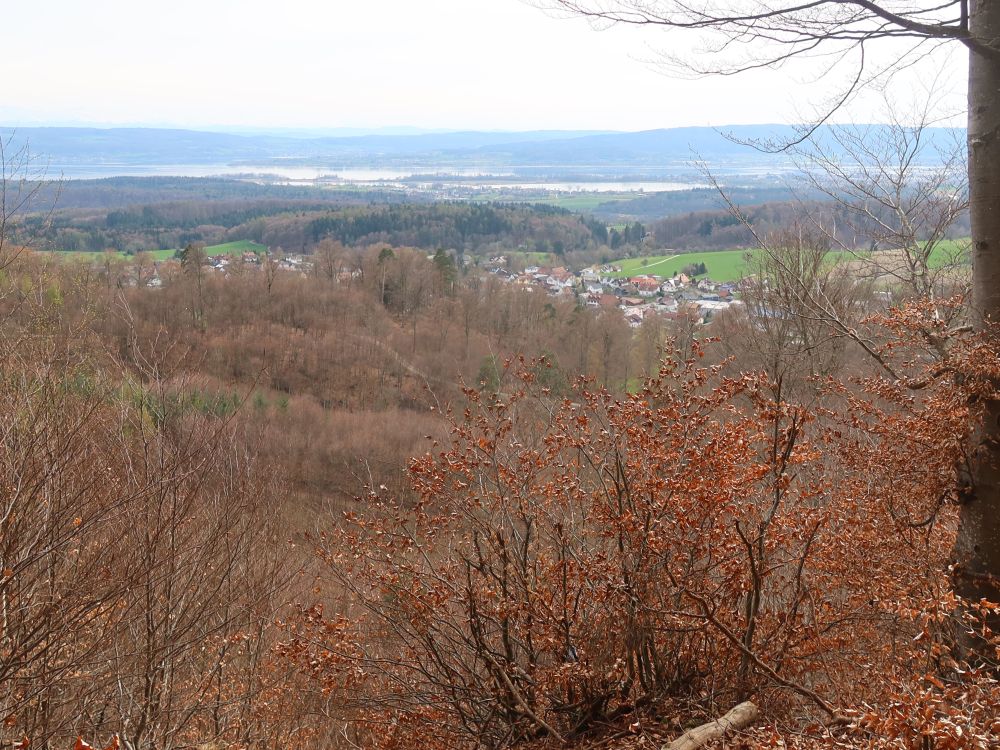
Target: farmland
(950, 251)
(228, 248)
(586, 202)
(156, 255)
(530, 258)
(722, 265)
(730, 265)
(236, 248)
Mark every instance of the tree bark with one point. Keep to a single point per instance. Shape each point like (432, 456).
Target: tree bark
(977, 548)
(738, 718)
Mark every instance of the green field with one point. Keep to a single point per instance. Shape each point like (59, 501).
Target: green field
(236, 248)
(722, 265)
(162, 254)
(228, 248)
(584, 203)
(950, 251)
(94, 256)
(532, 258)
(730, 265)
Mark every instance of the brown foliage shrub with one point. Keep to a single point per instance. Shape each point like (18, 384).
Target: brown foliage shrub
(578, 563)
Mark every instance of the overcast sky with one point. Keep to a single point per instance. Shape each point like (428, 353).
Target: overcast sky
(449, 64)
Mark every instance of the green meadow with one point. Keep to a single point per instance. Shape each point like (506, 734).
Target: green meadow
(534, 258)
(236, 248)
(950, 251)
(722, 265)
(731, 265)
(227, 248)
(95, 256)
(584, 203)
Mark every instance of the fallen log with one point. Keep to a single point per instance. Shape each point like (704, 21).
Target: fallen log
(738, 718)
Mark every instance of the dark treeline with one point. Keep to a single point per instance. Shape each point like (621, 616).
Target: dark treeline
(124, 192)
(186, 215)
(297, 226)
(475, 228)
(460, 225)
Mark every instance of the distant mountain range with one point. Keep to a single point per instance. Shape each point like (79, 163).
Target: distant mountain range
(600, 153)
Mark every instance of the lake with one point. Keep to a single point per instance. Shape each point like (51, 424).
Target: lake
(418, 178)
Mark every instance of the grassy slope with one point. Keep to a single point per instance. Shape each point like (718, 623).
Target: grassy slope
(584, 202)
(722, 265)
(235, 248)
(538, 259)
(92, 256)
(228, 248)
(950, 251)
(729, 265)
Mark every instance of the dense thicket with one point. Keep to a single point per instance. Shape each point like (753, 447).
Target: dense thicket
(160, 448)
(590, 562)
(141, 563)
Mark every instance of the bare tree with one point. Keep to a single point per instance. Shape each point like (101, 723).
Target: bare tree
(329, 259)
(23, 189)
(800, 311)
(59, 513)
(743, 35)
(894, 194)
(900, 189)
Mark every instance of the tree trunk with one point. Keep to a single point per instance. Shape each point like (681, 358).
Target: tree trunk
(977, 549)
(738, 718)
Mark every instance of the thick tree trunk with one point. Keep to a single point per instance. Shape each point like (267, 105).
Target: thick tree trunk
(977, 550)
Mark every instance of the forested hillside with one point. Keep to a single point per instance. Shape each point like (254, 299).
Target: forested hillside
(344, 371)
(298, 225)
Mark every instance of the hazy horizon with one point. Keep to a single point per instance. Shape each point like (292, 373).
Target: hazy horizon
(442, 65)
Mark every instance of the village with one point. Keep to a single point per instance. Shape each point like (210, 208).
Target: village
(604, 286)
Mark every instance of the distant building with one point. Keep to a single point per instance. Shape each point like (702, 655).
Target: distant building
(647, 286)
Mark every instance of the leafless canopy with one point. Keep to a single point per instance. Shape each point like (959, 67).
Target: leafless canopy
(791, 28)
(742, 35)
(23, 184)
